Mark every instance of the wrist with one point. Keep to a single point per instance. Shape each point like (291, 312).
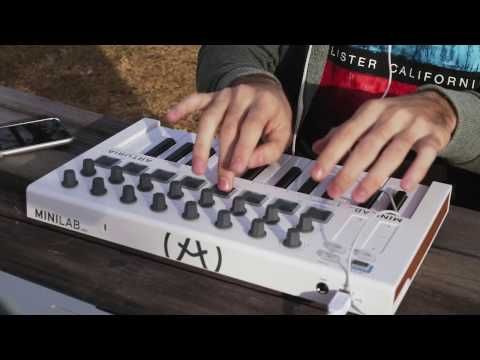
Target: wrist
(447, 109)
(253, 79)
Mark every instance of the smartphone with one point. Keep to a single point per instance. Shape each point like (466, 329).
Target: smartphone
(30, 135)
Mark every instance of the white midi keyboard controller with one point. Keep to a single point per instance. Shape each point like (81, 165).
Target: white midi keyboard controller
(276, 228)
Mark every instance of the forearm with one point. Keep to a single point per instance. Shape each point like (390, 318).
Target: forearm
(218, 66)
(463, 151)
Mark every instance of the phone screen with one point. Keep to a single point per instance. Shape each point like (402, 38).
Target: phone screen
(34, 133)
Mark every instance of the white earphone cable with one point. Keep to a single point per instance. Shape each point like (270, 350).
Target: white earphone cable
(298, 117)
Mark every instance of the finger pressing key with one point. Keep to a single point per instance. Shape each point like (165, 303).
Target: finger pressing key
(208, 124)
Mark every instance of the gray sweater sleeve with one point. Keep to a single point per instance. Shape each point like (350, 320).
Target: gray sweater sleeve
(219, 65)
(463, 151)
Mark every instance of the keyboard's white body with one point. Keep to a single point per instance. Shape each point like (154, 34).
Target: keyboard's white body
(392, 247)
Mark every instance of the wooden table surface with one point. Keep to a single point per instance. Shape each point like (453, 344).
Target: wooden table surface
(123, 282)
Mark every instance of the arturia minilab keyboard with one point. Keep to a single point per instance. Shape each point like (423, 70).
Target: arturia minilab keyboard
(277, 228)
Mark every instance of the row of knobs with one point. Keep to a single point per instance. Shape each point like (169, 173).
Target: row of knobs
(175, 192)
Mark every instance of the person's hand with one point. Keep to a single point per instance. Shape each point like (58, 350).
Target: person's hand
(381, 133)
(254, 121)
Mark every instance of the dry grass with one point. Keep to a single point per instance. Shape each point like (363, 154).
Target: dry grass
(126, 82)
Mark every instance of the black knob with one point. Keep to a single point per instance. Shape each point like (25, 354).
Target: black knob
(145, 183)
(175, 191)
(69, 179)
(98, 187)
(206, 198)
(293, 238)
(271, 215)
(257, 229)
(116, 175)
(238, 206)
(305, 224)
(223, 220)
(128, 194)
(191, 211)
(158, 202)
(88, 168)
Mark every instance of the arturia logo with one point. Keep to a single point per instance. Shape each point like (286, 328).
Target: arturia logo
(57, 219)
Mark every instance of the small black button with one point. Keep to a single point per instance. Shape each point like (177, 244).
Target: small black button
(192, 183)
(175, 191)
(128, 194)
(223, 220)
(319, 215)
(98, 187)
(145, 183)
(134, 168)
(88, 168)
(206, 198)
(238, 206)
(257, 229)
(162, 175)
(271, 215)
(69, 179)
(287, 207)
(158, 203)
(116, 175)
(305, 224)
(106, 161)
(191, 211)
(253, 198)
(293, 239)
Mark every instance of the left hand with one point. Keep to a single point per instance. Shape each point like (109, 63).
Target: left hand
(423, 122)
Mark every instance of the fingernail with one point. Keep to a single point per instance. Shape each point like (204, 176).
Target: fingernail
(317, 173)
(224, 184)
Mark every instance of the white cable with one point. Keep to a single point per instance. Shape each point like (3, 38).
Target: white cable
(390, 73)
(299, 114)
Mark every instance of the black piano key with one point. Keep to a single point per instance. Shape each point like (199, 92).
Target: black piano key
(326, 196)
(369, 203)
(399, 198)
(308, 186)
(161, 148)
(289, 177)
(253, 173)
(181, 152)
(212, 152)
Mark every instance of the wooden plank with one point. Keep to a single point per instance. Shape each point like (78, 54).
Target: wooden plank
(30, 104)
(121, 283)
(447, 283)
(460, 232)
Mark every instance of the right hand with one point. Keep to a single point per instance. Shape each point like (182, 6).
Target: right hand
(253, 109)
